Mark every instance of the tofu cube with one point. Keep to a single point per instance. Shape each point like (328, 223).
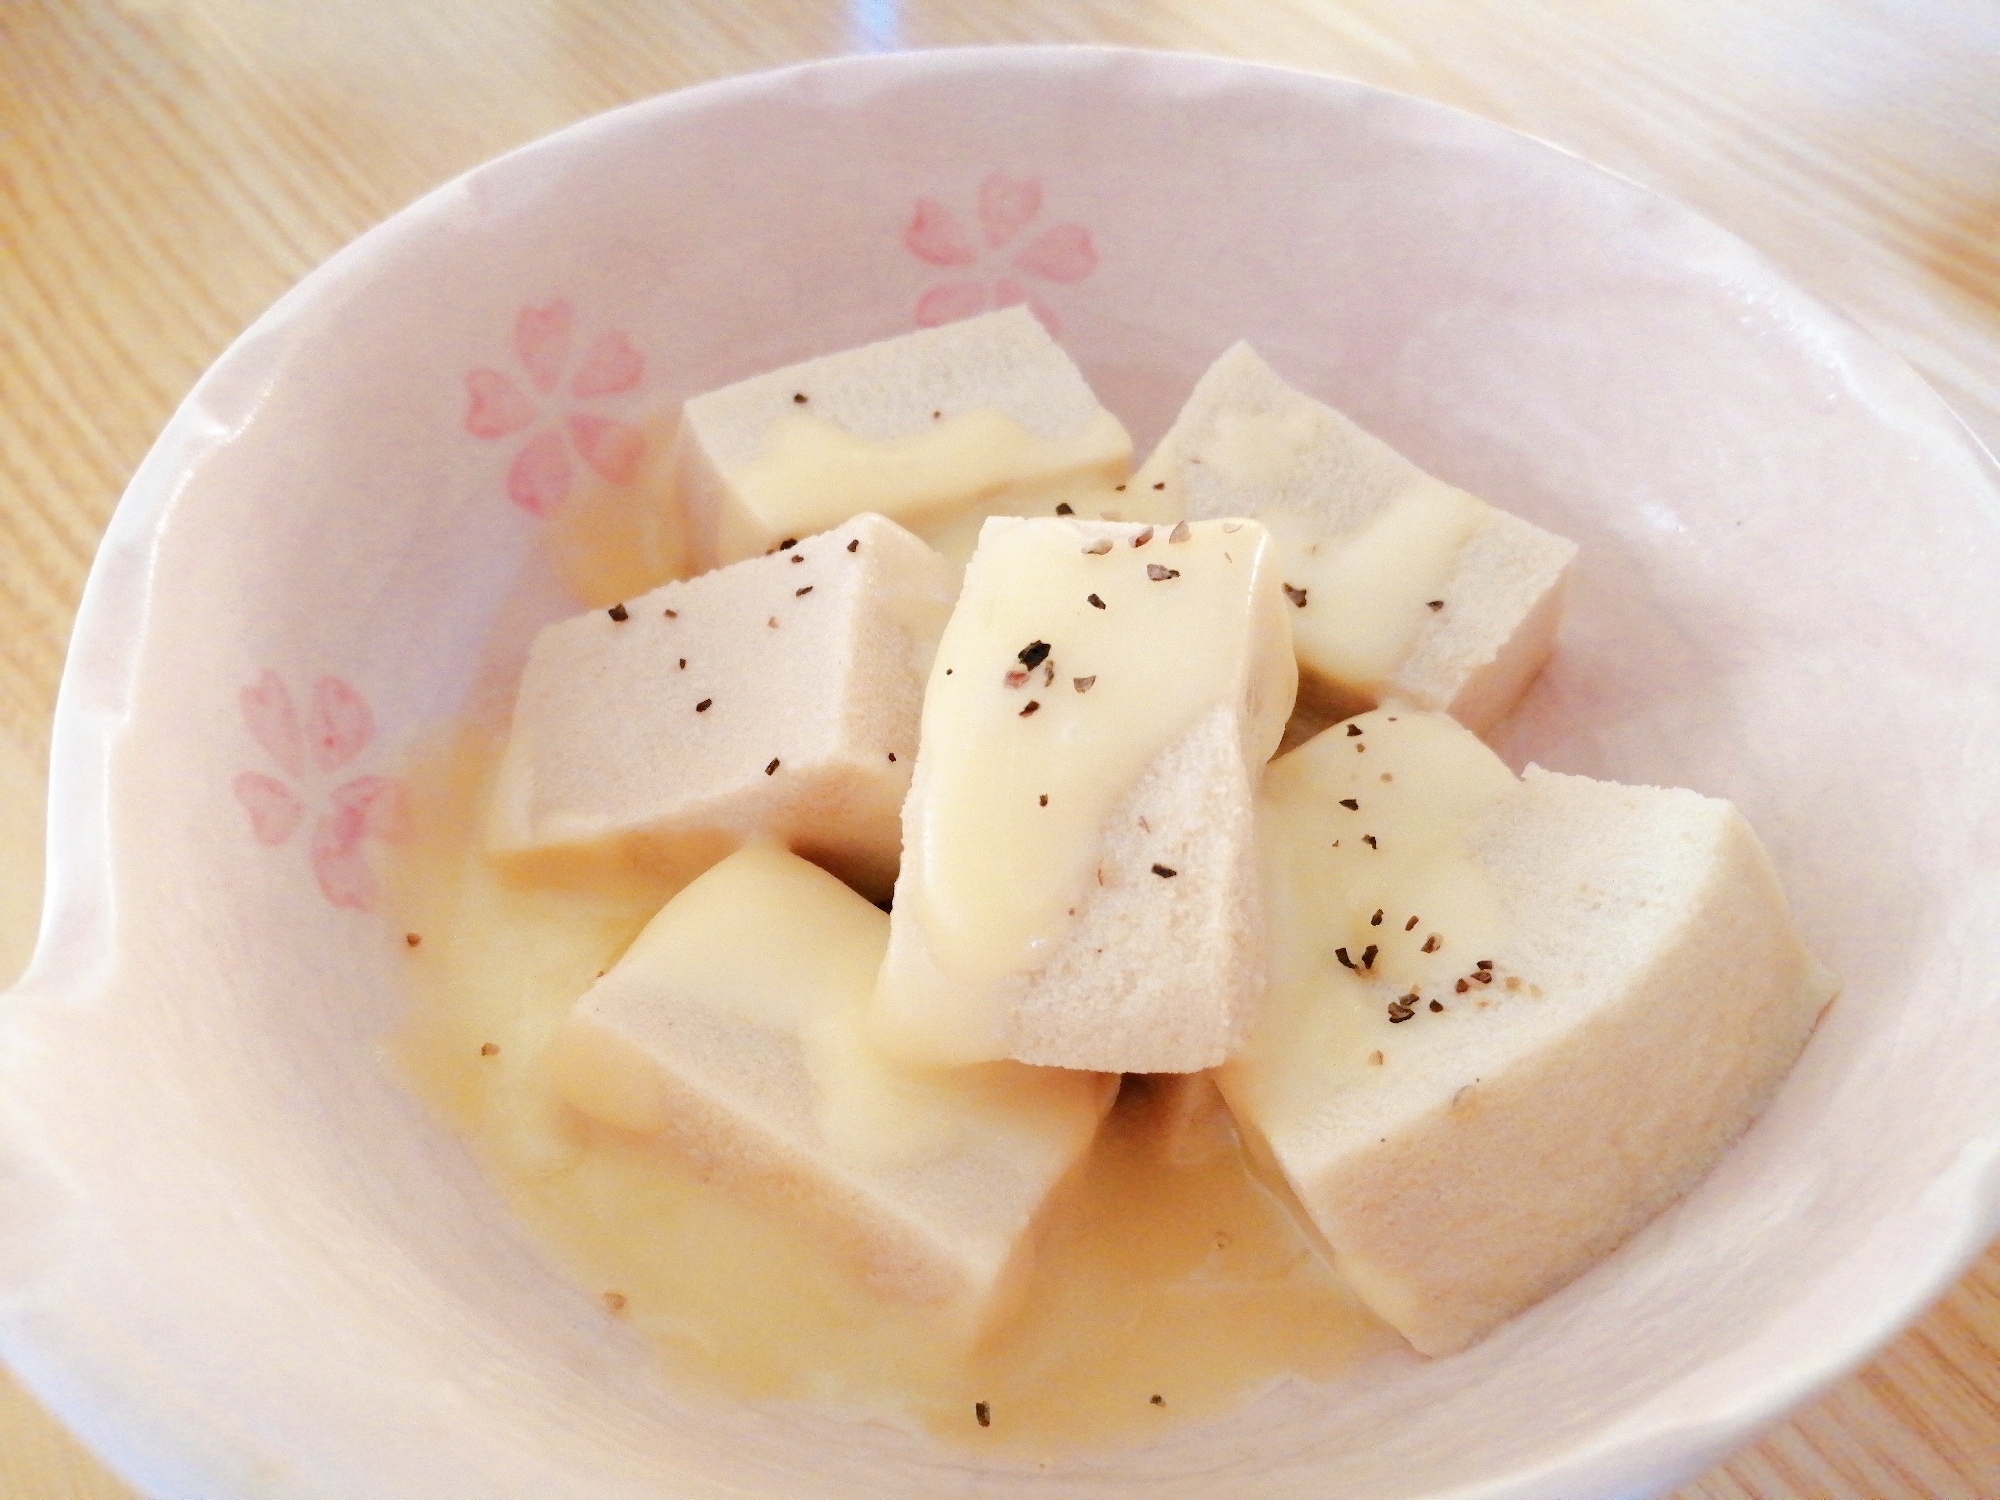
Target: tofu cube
(778, 696)
(1402, 587)
(732, 1028)
(1514, 1027)
(1079, 884)
(936, 429)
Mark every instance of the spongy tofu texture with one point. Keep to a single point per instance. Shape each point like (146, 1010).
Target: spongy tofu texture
(734, 1089)
(1500, 1150)
(816, 664)
(1474, 658)
(1159, 976)
(890, 389)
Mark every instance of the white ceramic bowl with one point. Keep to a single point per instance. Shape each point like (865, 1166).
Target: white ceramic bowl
(242, 1262)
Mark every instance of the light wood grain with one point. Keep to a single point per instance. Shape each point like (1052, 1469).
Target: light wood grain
(168, 167)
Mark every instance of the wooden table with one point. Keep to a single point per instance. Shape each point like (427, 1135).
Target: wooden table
(168, 167)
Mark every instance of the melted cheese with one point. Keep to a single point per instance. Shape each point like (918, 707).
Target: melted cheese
(1420, 783)
(1155, 1274)
(939, 482)
(1020, 764)
(1366, 595)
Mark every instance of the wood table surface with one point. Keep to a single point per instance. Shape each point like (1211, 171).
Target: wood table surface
(169, 167)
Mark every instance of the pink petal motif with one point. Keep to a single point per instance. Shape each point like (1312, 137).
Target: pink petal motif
(496, 407)
(1007, 205)
(339, 863)
(610, 366)
(1063, 253)
(949, 302)
(340, 726)
(538, 479)
(1008, 293)
(267, 709)
(274, 808)
(541, 338)
(934, 236)
(381, 805)
(611, 448)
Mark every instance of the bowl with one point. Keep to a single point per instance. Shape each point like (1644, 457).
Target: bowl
(242, 1261)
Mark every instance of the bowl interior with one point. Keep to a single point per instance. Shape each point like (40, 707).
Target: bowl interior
(242, 1261)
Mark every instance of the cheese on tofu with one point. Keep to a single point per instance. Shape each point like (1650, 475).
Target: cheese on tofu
(1509, 1021)
(777, 696)
(936, 429)
(733, 1028)
(1079, 876)
(1401, 586)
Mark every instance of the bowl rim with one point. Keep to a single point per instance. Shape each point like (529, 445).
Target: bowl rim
(94, 706)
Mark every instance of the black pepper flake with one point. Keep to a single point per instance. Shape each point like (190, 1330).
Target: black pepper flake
(1165, 872)
(1435, 604)
(1368, 956)
(788, 543)
(1431, 943)
(855, 545)
(489, 1049)
(1033, 654)
(618, 613)
(1161, 485)
(1411, 925)
(1376, 920)
(1098, 548)
(684, 664)
(1298, 597)
(892, 756)
(412, 938)
(1484, 976)
(1436, 1006)
(799, 397)
(702, 707)
(1353, 730)
(1048, 674)
(1095, 602)
(982, 1413)
(801, 593)
(1399, 1013)
(1369, 840)
(1084, 684)
(772, 768)
(1032, 705)
(1180, 533)
(1345, 961)
(1065, 509)
(1159, 1400)
(1482, 963)
(1159, 574)
(673, 614)
(1350, 804)
(1045, 799)
(1461, 987)
(1118, 486)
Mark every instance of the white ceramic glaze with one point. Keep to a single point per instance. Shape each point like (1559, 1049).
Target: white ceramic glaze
(242, 1263)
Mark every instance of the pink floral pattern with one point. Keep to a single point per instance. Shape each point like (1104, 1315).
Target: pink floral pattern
(541, 474)
(335, 729)
(998, 259)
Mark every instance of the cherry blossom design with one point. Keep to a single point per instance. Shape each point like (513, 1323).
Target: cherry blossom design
(540, 477)
(1061, 253)
(337, 728)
